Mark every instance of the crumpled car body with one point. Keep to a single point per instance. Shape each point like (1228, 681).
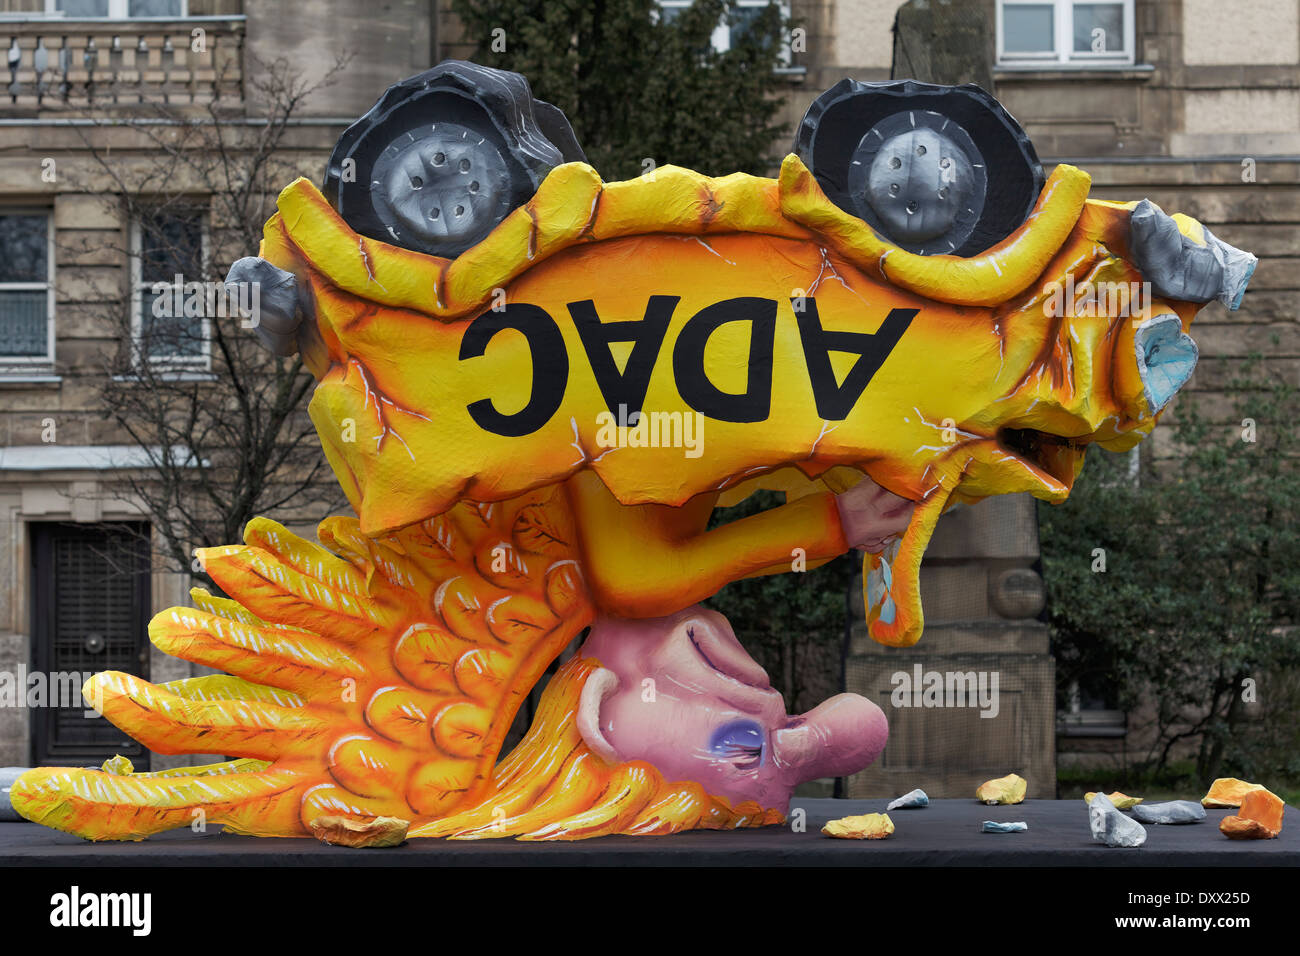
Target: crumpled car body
(815, 350)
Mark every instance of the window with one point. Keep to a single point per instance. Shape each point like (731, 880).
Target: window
(737, 21)
(170, 301)
(1091, 707)
(1052, 32)
(118, 9)
(26, 303)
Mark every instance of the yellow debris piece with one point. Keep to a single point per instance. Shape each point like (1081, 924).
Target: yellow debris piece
(1122, 801)
(1228, 792)
(868, 826)
(1004, 790)
(119, 766)
(345, 831)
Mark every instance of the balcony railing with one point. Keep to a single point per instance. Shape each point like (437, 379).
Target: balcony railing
(79, 64)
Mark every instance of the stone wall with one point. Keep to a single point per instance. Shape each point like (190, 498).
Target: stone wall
(385, 42)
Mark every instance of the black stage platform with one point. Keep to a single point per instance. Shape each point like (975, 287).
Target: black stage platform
(947, 833)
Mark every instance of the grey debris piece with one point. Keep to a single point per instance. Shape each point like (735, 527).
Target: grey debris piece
(909, 801)
(1175, 811)
(1111, 827)
(1238, 266)
(992, 826)
(279, 310)
(1178, 268)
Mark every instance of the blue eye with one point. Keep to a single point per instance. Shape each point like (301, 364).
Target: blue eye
(739, 740)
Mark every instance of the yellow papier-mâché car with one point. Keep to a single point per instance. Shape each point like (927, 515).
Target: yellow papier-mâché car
(536, 387)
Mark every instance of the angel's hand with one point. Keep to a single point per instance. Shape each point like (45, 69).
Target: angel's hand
(871, 516)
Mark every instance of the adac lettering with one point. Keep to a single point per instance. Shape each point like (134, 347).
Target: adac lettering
(627, 388)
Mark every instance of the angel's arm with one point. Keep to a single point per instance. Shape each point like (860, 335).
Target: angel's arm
(652, 560)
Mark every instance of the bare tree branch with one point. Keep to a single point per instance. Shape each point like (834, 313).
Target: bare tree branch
(221, 421)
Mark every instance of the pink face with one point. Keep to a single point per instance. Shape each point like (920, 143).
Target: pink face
(682, 694)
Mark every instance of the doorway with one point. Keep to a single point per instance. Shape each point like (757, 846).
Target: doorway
(90, 609)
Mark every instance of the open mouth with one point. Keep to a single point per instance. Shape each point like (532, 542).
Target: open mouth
(1052, 455)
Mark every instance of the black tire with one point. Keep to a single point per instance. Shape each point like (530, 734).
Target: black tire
(848, 125)
(444, 156)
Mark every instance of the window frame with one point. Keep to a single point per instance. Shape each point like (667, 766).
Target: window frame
(720, 41)
(1063, 55)
(26, 363)
(178, 363)
(117, 10)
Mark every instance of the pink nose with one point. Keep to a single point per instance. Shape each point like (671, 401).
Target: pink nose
(839, 736)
